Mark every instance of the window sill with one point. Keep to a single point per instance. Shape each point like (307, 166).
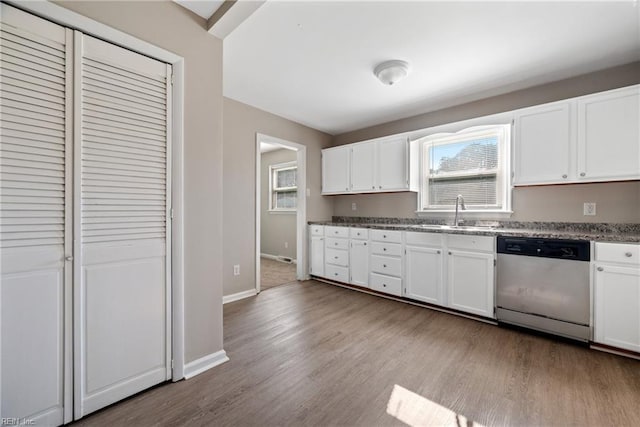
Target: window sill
(465, 214)
(283, 212)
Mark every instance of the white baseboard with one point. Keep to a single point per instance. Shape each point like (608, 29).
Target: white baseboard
(209, 361)
(239, 296)
(277, 258)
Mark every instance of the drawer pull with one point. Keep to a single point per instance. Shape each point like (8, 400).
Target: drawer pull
(384, 265)
(365, 243)
(335, 274)
(600, 269)
(384, 249)
(384, 285)
(437, 252)
(336, 243)
(564, 176)
(384, 236)
(449, 253)
(335, 257)
(628, 254)
(582, 174)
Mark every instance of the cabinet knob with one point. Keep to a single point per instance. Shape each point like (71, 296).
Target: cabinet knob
(384, 265)
(437, 252)
(365, 243)
(564, 176)
(384, 249)
(384, 285)
(582, 174)
(373, 187)
(335, 257)
(380, 187)
(600, 269)
(335, 274)
(449, 253)
(628, 254)
(336, 243)
(70, 258)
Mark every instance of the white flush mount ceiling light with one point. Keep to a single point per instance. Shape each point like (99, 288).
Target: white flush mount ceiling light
(391, 72)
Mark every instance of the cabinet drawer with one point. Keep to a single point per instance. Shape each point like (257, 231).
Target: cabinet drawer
(359, 233)
(337, 273)
(386, 265)
(475, 243)
(380, 248)
(618, 252)
(337, 257)
(317, 230)
(386, 236)
(334, 243)
(386, 284)
(426, 239)
(336, 231)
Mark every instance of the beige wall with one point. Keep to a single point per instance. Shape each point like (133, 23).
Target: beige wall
(241, 123)
(276, 228)
(169, 26)
(616, 202)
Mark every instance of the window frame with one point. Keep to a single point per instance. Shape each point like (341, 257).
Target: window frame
(273, 170)
(503, 174)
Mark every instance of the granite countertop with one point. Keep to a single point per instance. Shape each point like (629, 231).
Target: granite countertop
(600, 232)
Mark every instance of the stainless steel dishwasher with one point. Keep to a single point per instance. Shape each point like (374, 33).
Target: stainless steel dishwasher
(543, 284)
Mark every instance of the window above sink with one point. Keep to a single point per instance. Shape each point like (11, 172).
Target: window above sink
(473, 163)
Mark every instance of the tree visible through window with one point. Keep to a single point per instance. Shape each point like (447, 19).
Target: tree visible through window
(283, 187)
(470, 163)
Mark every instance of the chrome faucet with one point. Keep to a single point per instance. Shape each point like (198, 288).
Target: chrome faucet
(459, 205)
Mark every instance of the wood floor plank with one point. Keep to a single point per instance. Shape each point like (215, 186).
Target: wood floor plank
(313, 354)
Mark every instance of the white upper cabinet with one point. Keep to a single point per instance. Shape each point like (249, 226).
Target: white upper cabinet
(393, 164)
(335, 170)
(363, 164)
(544, 144)
(609, 135)
(366, 167)
(587, 139)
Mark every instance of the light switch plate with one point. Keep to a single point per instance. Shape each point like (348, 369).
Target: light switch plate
(589, 209)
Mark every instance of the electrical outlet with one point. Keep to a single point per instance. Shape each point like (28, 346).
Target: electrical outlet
(354, 207)
(286, 245)
(236, 270)
(589, 208)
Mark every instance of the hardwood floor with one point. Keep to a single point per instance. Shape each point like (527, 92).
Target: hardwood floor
(316, 354)
(275, 273)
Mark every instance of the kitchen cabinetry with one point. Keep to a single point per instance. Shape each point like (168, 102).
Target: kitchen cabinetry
(336, 252)
(616, 283)
(336, 165)
(371, 166)
(386, 261)
(544, 144)
(587, 139)
(359, 257)
(363, 167)
(609, 135)
(316, 250)
(471, 273)
(423, 261)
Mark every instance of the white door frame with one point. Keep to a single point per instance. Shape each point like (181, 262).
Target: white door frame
(89, 26)
(301, 212)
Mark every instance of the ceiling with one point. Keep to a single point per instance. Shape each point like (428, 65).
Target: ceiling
(203, 8)
(312, 62)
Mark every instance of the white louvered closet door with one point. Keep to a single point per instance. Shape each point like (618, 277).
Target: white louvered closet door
(122, 339)
(35, 219)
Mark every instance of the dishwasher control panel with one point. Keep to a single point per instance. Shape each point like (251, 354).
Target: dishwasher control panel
(575, 250)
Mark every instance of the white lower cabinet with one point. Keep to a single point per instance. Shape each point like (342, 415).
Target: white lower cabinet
(616, 282)
(316, 250)
(470, 282)
(424, 274)
(359, 259)
(387, 284)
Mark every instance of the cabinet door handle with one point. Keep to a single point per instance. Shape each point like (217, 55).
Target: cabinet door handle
(600, 269)
(564, 176)
(70, 258)
(628, 254)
